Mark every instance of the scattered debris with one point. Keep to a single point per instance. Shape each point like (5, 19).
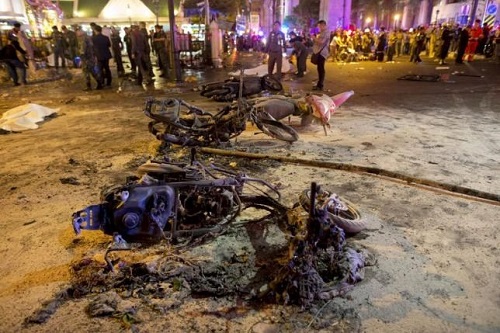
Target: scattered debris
(465, 74)
(423, 78)
(69, 180)
(29, 222)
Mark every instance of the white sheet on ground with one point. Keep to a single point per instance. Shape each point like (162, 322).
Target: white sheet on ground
(24, 117)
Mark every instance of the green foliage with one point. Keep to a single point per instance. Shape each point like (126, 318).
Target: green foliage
(294, 22)
(307, 11)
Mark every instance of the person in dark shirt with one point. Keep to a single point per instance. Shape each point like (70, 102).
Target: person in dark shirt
(300, 52)
(128, 45)
(446, 38)
(88, 61)
(102, 54)
(160, 47)
(117, 47)
(71, 43)
(8, 55)
(463, 40)
(58, 47)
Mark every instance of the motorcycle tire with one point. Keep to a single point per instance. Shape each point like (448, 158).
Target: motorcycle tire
(270, 83)
(349, 219)
(216, 92)
(277, 130)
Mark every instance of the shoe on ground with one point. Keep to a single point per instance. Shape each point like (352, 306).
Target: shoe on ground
(16, 84)
(98, 87)
(87, 89)
(316, 88)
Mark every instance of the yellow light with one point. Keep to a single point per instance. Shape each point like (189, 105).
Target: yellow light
(396, 17)
(368, 20)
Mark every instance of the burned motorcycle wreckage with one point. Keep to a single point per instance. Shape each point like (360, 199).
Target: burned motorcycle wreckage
(174, 201)
(177, 122)
(229, 90)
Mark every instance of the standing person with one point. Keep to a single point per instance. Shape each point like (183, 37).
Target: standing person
(381, 45)
(139, 47)
(463, 40)
(446, 37)
(420, 39)
(117, 47)
(102, 54)
(483, 39)
(8, 55)
(58, 47)
(474, 35)
(88, 61)
(71, 43)
(391, 46)
(300, 52)
(147, 51)
(399, 42)
(320, 47)
(128, 45)
(275, 48)
(160, 47)
(334, 46)
(14, 37)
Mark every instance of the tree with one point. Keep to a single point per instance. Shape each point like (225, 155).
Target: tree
(308, 12)
(226, 7)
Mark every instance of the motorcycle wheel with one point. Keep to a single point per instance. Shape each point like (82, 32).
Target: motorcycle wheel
(270, 83)
(277, 130)
(216, 92)
(349, 219)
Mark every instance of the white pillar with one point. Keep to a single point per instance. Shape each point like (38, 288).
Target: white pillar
(335, 13)
(423, 13)
(216, 44)
(405, 24)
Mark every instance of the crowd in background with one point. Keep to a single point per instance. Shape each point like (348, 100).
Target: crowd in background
(382, 45)
(91, 50)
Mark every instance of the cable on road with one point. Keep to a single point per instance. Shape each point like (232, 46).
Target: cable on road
(431, 185)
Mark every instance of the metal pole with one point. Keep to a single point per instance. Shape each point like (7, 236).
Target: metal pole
(473, 12)
(171, 19)
(208, 38)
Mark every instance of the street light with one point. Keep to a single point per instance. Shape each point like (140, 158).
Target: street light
(396, 19)
(368, 21)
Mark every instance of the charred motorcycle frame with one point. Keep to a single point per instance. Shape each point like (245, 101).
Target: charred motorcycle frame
(178, 122)
(173, 200)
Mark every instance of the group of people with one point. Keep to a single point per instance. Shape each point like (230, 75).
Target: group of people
(277, 44)
(92, 52)
(437, 41)
(96, 51)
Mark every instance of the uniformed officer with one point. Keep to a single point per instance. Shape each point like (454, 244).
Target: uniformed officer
(274, 48)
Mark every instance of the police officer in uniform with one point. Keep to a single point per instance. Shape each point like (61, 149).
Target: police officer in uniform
(275, 48)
